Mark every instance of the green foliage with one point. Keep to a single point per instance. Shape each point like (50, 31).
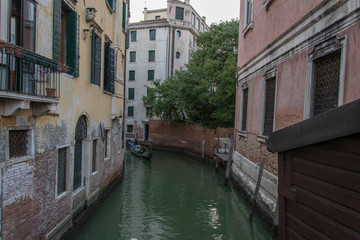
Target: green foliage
(205, 92)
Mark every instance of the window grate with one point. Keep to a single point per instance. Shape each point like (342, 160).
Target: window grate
(77, 164)
(61, 183)
(327, 74)
(269, 106)
(18, 143)
(94, 155)
(244, 110)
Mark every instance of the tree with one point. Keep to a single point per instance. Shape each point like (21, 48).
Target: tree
(205, 92)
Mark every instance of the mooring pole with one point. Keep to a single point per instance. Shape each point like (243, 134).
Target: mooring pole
(229, 161)
(257, 189)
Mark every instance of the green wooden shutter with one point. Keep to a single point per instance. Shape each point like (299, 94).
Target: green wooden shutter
(109, 68)
(112, 4)
(56, 30)
(72, 43)
(112, 64)
(124, 16)
(95, 59)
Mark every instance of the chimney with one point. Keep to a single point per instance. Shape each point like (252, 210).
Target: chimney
(187, 2)
(204, 18)
(145, 13)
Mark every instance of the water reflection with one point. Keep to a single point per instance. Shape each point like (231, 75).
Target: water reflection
(172, 197)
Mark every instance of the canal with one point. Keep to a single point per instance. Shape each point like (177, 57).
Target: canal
(172, 197)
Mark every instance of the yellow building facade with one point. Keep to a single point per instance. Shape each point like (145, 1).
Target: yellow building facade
(62, 66)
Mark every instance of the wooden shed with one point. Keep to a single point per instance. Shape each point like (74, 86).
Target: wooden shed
(319, 176)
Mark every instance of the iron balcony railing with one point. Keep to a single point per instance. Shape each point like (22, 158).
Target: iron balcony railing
(25, 72)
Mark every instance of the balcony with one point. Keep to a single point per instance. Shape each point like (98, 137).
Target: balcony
(26, 77)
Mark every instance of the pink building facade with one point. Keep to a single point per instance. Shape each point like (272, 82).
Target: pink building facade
(296, 60)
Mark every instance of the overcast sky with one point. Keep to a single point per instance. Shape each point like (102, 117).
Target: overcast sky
(213, 10)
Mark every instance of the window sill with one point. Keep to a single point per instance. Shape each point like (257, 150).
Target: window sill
(13, 161)
(267, 4)
(61, 196)
(247, 28)
(263, 139)
(242, 133)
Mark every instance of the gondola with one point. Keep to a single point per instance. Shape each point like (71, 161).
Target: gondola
(140, 150)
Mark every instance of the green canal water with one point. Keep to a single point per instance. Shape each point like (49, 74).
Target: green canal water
(172, 197)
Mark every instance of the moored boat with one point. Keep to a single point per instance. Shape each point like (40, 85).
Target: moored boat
(140, 150)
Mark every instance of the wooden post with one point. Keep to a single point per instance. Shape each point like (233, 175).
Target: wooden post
(257, 189)
(203, 148)
(229, 162)
(217, 159)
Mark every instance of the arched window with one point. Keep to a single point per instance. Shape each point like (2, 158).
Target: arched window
(80, 135)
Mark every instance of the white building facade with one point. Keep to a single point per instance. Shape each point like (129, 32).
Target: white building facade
(158, 46)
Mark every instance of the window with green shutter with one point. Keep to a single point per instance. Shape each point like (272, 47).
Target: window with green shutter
(124, 16)
(130, 111)
(66, 37)
(152, 34)
(133, 36)
(131, 93)
(131, 75)
(112, 4)
(95, 59)
(109, 69)
(72, 43)
(151, 75)
(151, 55)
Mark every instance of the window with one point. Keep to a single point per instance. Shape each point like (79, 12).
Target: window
(324, 89)
(130, 111)
(133, 36)
(269, 106)
(194, 41)
(66, 37)
(131, 75)
(109, 68)
(326, 82)
(124, 16)
(21, 20)
(151, 55)
(193, 18)
(61, 171)
(151, 74)
(152, 34)
(19, 143)
(112, 4)
(178, 33)
(157, 17)
(133, 56)
(148, 111)
(177, 55)
(131, 93)
(198, 24)
(244, 109)
(179, 13)
(202, 27)
(106, 144)
(95, 58)
(94, 156)
(80, 135)
(130, 128)
(248, 15)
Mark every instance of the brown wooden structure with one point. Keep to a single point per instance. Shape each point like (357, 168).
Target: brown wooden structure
(319, 176)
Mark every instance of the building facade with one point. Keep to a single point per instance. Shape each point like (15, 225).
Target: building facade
(61, 104)
(295, 61)
(158, 46)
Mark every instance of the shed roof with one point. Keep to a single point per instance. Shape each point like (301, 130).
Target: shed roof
(336, 123)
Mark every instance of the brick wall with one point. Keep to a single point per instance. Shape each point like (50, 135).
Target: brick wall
(186, 137)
